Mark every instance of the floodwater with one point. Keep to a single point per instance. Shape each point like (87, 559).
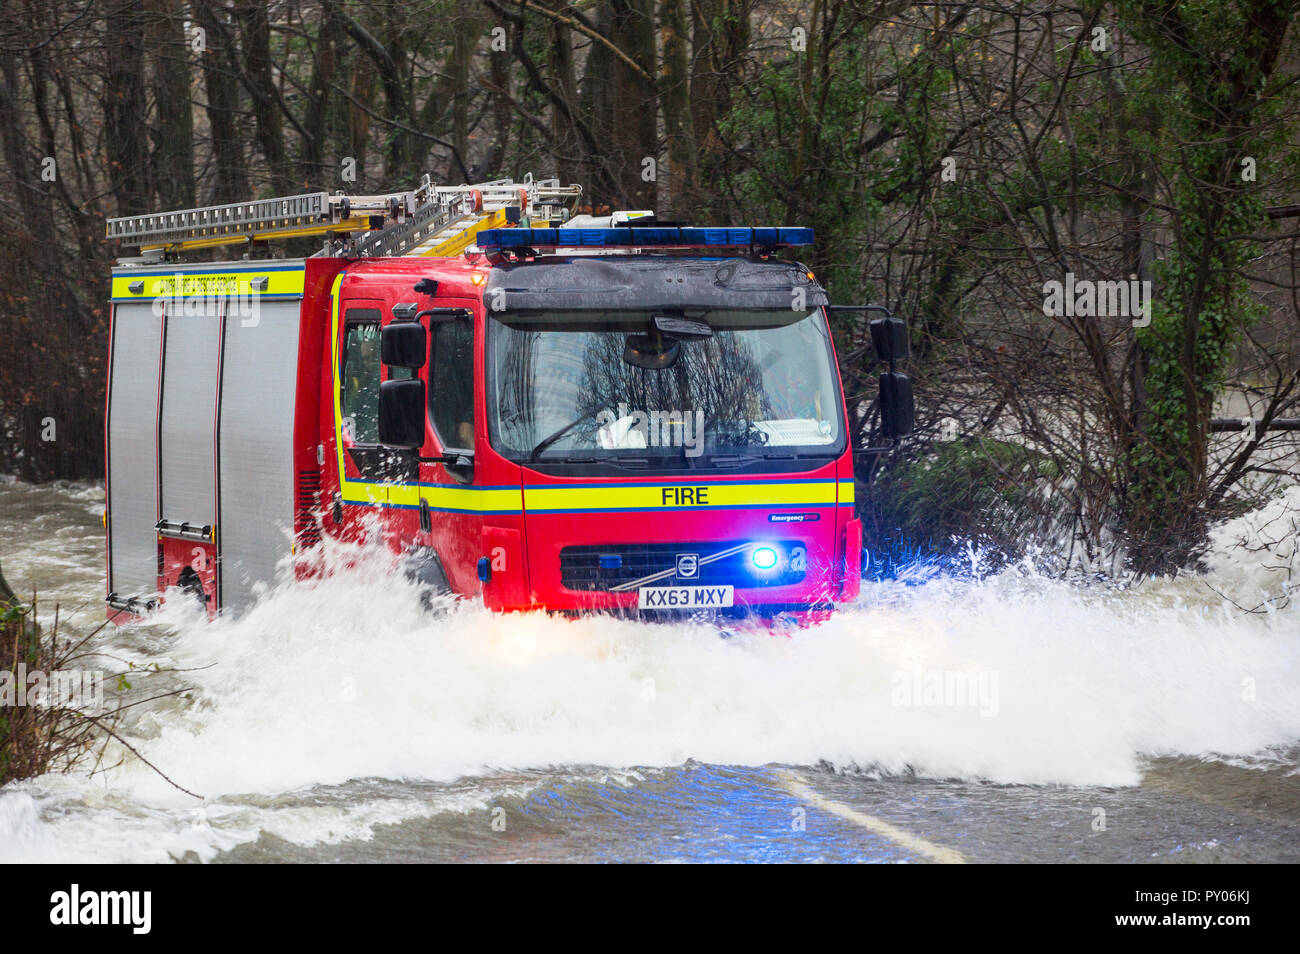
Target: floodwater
(963, 717)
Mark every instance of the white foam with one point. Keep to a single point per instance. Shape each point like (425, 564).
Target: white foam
(347, 678)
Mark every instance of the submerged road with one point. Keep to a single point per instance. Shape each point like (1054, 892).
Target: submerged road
(1142, 690)
(1183, 813)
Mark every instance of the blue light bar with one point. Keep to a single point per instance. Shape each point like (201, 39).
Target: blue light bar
(649, 236)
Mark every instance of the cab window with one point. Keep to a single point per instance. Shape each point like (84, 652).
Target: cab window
(359, 377)
(451, 383)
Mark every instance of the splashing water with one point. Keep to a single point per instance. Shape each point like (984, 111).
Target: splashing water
(1014, 678)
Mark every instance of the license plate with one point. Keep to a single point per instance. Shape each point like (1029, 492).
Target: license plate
(685, 597)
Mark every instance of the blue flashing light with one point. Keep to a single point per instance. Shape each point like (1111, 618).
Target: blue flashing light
(647, 237)
(611, 561)
(764, 557)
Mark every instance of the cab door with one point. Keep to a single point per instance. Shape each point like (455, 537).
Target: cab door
(367, 469)
(449, 495)
(475, 496)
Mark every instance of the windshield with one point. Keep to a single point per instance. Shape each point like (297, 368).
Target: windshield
(702, 384)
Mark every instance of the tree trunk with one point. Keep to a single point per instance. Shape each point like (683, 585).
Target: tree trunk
(675, 96)
(255, 38)
(635, 112)
(220, 84)
(125, 111)
(362, 89)
(720, 34)
(400, 147)
(173, 156)
(564, 139)
(311, 161)
(499, 150)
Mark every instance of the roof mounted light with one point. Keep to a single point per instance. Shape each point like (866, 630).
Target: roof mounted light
(645, 237)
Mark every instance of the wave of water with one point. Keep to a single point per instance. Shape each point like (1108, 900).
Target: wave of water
(326, 682)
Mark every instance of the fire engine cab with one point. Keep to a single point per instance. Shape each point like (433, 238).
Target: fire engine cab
(539, 410)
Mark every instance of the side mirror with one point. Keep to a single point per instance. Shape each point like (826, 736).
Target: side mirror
(401, 413)
(404, 344)
(897, 410)
(889, 339)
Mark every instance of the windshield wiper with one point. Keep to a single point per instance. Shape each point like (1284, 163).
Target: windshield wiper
(550, 439)
(626, 463)
(730, 460)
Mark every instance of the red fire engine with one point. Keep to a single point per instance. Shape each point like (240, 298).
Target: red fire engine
(541, 411)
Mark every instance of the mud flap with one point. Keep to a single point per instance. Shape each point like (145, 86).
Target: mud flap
(424, 567)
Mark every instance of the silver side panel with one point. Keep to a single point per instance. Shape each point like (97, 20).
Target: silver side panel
(189, 416)
(132, 451)
(258, 378)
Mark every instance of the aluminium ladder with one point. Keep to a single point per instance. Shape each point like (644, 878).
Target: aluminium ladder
(429, 220)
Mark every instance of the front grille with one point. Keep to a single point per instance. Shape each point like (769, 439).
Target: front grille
(581, 567)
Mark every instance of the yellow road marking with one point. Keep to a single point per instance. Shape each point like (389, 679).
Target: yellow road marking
(798, 786)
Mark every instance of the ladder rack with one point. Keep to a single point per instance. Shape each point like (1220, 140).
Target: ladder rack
(429, 220)
(313, 213)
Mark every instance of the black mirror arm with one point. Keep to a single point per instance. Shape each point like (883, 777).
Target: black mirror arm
(443, 314)
(880, 308)
(462, 459)
(876, 450)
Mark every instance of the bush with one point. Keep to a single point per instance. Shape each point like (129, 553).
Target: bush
(59, 731)
(24, 748)
(995, 495)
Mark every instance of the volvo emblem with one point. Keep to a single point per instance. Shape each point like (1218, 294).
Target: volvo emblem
(688, 565)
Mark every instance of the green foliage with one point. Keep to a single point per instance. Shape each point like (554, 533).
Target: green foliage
(989, 492)
(1211, 78)
(819, 147)
(19, 642)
